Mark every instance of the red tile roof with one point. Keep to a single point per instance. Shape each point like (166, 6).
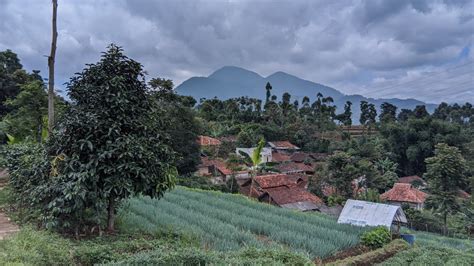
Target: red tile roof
(284, 195)
(293, 167)
(299, 156)
(280, 157)
(410, 179)
(208, 141)
(284, 145)
(277, 180)
(218, 164)
(402, 192)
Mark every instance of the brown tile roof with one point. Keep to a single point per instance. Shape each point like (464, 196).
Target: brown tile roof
(284, 145)
(284, 195)
(277, 180)
(280, 157)
(410, 179)
(402, 192)
(299, 156)
(293, 167)
(208, 141)
(218, 164)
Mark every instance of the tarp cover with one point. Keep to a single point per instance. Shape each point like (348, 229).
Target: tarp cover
(364, 213)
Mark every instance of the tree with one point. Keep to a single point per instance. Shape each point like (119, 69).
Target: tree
(110, 146)
(10, 82)
(268, 88)
(345, 118)
(445, 175)
(342, 171)
(51, 59)
(388, 113)
(180, 124)
(29, 110)
(161, 84)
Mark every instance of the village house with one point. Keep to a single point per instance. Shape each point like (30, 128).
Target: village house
(218, 172)
(414, 180)
(295, 168)
(208, 141)
(286, 191)
(280, 157)
(266, 153)
(301, 157)
(283, 146)
(405, 193)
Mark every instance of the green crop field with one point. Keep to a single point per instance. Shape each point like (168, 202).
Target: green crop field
(228, 222)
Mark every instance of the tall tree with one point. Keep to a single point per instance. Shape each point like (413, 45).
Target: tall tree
(342, 171)
(445, 175)
(51, 59)
(111, 145)
(388, 113)
(268, 88)
(29, 110)
(11, 78)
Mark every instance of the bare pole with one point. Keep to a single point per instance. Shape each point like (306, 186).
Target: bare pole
(51, 59)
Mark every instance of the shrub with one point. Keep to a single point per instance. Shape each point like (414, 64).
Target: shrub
(376, 237)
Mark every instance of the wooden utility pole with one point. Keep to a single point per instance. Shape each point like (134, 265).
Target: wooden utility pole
(51, 58)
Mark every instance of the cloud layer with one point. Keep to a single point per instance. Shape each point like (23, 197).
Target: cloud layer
(404, 49)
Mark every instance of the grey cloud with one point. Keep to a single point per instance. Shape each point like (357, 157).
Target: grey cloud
(349, 44)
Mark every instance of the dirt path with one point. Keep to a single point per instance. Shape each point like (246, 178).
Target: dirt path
(7, 227)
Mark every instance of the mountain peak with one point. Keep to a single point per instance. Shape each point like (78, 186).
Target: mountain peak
(228, 71)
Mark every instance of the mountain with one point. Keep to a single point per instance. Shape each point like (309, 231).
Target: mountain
(230, 81)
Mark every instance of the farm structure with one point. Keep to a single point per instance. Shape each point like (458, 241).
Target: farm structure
(364, 213)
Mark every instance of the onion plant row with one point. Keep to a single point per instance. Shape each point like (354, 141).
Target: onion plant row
(227, 222)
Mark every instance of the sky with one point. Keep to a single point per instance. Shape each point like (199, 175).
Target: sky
(391, 49)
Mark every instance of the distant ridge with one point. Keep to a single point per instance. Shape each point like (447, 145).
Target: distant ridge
(230, 82)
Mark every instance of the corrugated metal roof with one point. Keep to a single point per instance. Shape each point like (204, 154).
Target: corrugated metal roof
(364, 213)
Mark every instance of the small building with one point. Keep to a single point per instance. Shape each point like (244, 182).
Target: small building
(286, 191)
(266, 153)
(295, 168)
(364, 213)
(301, 157)
(217, 170)
(278, 157)
(414, 180)
(208, 141)
(405, 193)
(283, 146)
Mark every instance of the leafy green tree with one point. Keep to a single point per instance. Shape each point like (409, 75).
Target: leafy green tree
(29, 110)
(445, 175)
(388, 113)
(11, 77)
(161, 84)
(179, 123)
(345, 117)
(268, 88)
(110, 146)
(341, 173)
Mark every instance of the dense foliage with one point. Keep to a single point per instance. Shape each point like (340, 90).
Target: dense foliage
(377, 237)
(227, 222)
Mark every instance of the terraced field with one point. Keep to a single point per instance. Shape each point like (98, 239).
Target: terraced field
(228, 222)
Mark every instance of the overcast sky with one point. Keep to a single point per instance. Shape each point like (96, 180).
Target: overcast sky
(392, 48)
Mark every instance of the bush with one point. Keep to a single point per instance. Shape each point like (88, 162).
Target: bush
(377, 237)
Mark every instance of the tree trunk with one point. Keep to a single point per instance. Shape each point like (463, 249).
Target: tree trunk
(111, 215)
(445, 219)
(39, 133)
(51, 59)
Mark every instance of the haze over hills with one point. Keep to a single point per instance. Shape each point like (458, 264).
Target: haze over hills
(230, 81)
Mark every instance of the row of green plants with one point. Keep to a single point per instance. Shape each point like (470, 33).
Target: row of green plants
(226, 222)
(40, 247)
(432, 255)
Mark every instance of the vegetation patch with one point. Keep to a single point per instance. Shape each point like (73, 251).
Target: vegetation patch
(432, 255)
(375, 256)
(376, 237)
(228, 222)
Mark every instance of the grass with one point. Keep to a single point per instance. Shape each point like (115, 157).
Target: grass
(226, 222)
(432, 249)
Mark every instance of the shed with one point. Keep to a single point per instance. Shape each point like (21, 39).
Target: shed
(364, 213)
